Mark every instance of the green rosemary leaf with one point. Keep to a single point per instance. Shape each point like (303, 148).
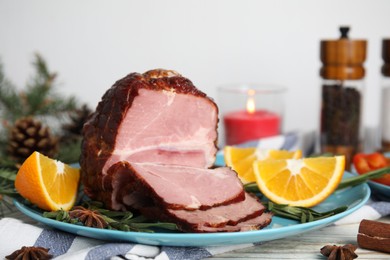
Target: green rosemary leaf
(335, 211)
(301, 214)
(303, 217)
(7, 174)
(356, 180)
(137, 219)
(311, 217)
(59, 215)
(7, 178)
(115, 214)
(8, 191)
(109, 220)
(128, 215)
(92, 204)
(284, 214)
(119, 226)
(164, 225)
(50, 214)
(251, 187)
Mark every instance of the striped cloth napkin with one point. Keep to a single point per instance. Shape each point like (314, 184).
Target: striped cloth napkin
(62, 245)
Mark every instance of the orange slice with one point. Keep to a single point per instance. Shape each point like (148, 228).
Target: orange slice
(241, 159)
(299, 182)
(47, 183)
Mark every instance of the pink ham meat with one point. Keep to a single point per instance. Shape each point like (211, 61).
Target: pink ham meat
(198, 188)
(158, 117)
(256, 223)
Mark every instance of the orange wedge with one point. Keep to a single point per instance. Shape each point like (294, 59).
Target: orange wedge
(47, 183)
(299, 182)
(241, 159)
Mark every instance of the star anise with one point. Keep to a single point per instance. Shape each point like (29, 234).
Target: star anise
(90, 218)
(334, 252)
(30, 252)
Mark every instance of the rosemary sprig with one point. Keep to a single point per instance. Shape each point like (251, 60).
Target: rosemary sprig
(347, 182)
(7, 174)
(356, 180)
(252, 187)
(60, 215)
(7, 189)
(116, 220)
(301, 214)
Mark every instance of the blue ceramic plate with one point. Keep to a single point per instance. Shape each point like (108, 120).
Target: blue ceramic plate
(380, 191)
(354, 198)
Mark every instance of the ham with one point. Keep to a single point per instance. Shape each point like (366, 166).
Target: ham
(158, 117)
(150, 146)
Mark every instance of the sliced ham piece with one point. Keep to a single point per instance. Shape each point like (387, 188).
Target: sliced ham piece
(182, 187)
(220, 216)
(256, 223)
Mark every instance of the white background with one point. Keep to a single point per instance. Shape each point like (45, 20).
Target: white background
(93, 43)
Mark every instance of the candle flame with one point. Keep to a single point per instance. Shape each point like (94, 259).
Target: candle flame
(250, 105)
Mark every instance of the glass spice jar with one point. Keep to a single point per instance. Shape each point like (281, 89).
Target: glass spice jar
(385, 111)
(343, 73)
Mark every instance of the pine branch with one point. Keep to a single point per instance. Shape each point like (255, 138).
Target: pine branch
(38, 99)
(41, 98)
(10, 101)
(40, 88)
(7, 189)
(70, 152)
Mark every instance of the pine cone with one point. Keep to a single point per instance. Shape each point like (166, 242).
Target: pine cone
(73, 129)
(28, 135)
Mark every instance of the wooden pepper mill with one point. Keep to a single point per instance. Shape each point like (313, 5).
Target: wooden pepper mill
(342, 72)
(385, 112)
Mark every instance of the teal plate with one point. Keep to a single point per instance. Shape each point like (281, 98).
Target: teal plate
(380, 191)
(354, 198)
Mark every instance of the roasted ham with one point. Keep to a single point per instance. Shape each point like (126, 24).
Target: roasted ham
(149, 147)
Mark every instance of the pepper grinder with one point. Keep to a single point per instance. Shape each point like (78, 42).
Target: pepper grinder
(342, 73)
(385, 112)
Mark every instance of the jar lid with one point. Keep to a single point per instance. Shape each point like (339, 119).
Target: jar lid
(386, 57)
(343, 58)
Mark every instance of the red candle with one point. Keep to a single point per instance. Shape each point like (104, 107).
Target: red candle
(241, 126)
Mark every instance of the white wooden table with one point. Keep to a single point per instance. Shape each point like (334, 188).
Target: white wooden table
(304, 246)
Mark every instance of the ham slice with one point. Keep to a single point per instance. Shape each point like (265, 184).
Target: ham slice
(256, 223)
(182, 187)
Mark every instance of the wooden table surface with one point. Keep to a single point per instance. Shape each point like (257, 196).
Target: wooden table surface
(304, 246)
(307, 245)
